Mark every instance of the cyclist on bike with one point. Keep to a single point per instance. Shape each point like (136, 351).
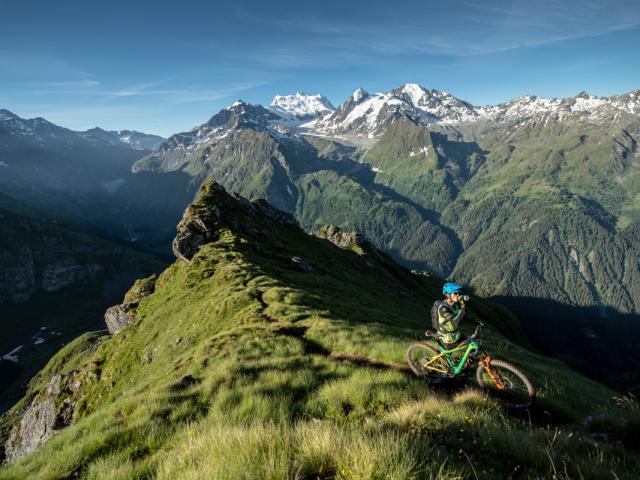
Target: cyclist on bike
(447, 314)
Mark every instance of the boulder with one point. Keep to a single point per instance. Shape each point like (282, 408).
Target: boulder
(119, 316)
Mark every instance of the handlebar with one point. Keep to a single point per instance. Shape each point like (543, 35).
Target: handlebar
(476, 334)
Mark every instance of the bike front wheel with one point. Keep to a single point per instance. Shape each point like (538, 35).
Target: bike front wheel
(508, 382)
(428, 363)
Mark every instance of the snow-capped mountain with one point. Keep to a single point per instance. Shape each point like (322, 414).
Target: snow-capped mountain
(44, 133)
(139, 140)
(301, 107)
(368, 115)
(236, 117)
(580, 107)
(36, 130)
(97, 136)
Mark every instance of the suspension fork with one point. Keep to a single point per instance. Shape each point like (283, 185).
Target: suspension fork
(486, 361)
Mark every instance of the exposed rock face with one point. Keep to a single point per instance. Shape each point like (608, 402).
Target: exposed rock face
(212, 210)
(51, 410)
(61, 273)
(38, 253)
(47, 267)
(342, 239)
(119, 316)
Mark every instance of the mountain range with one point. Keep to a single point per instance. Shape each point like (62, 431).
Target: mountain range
(533, 202)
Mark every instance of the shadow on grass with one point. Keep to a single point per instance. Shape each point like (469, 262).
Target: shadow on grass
(601, 343)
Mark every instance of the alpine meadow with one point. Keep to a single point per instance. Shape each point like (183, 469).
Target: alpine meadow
(406, 284)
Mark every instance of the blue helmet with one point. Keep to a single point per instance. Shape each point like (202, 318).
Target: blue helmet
(451, 287)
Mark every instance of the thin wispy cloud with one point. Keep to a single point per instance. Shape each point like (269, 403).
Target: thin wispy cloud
(136, 90)
(486, 28)
(37, 66)
(180, 95)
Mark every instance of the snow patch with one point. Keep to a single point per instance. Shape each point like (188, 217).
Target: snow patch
(289, 190)
(12, 356)
(112, 186)
(2, 164)
(424, 150)
(574, 256)
(415, 92)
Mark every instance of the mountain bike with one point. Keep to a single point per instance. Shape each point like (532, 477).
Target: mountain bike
(498, 376)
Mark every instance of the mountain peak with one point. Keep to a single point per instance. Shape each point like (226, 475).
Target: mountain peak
(359, 95)
(301, 106)
(7, 115)
(414, 89)
(236, 104)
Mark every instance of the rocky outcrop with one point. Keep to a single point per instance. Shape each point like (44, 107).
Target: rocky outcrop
(213, 209)
(342, 239)
(52, 409)
(195, 227)
(119, 316)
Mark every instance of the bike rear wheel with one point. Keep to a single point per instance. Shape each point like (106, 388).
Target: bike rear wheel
(428, 363)
(517, 391)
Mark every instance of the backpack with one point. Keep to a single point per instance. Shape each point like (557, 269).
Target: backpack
(434, 314)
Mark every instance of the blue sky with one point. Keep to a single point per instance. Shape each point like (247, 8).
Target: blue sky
(164, 67)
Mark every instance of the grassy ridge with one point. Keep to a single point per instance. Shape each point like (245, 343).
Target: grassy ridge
(242, 366)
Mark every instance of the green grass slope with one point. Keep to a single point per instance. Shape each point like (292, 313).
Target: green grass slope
(243, 364)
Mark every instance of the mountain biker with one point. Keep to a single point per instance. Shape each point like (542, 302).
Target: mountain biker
(447, 314)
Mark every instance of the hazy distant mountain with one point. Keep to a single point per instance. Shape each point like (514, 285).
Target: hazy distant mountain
(136, 140)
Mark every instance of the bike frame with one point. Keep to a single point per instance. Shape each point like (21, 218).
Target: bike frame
(467, 347)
